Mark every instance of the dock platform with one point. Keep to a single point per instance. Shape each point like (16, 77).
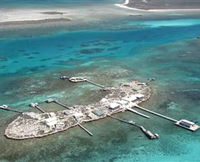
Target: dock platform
(181, 123)
(187, 125)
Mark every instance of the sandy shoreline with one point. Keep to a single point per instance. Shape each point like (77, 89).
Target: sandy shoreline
(126, 5)
(77, 14)
(32, 15)
(44, 20)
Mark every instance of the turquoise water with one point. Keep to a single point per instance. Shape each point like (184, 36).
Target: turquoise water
(52, 3)
(168, 23)
(164, 49)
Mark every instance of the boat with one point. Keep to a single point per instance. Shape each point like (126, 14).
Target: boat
(149, 134)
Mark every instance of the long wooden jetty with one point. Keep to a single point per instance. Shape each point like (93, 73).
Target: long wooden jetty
(189, 125)
(147, 133)
(155, 113)
(96, 84)
(50, 100)
(61, 104)
(125, 121)
(138, 113)
(7, 108)
(35, 105)
(81, 79)
(85, 129)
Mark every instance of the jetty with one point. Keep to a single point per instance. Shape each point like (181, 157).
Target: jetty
(147, 133)
(155, 113)
(138, 113)
(85, 129)
(7, 108)
(51, 100)
(81, 79)
(36, 105)
(189, 125)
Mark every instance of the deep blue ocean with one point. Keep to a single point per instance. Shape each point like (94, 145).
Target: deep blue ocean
(167, 50)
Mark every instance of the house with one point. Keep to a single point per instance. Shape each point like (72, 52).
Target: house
(114, 106)
(186, 123)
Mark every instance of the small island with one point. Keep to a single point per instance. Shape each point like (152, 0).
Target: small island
(118, 99)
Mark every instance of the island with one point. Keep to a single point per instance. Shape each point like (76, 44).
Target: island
(118, 99)
(163, 4)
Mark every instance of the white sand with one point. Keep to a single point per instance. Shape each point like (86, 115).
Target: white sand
(124, 5)
(30, 15)
(87, 14)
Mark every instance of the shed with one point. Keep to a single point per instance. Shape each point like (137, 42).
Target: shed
(114, 106)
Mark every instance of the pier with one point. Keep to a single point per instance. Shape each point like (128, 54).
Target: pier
(98, 85)
(7, 108)
(51, 100)
(155, 113)
(181, 123)
(147, 133)
(85, 129)
(81, 79)
(138, 113)
(36, 105)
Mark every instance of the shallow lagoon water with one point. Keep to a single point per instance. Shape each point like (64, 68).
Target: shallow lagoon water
(30, 68)
(51, 4)
(168, 23)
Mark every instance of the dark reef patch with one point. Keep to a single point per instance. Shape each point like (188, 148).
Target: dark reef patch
(3, 67)
(21, 50)
(34, 69)
(62, 62)
(36, 53)
(43, 66)
(3, 58)
(95, 43)
(113, 48)
(91, 51)
(15, 62)
(61, 49)
(26, 54)
(30, 57)
(46, 59)
(189, 94)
